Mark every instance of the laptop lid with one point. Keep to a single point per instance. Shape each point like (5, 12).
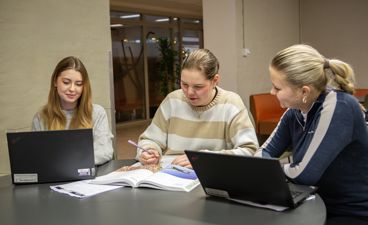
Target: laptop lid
(259, 180)
(51, 156)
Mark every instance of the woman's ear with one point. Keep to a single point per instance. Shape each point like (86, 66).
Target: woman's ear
(216, 79)
(306, 90)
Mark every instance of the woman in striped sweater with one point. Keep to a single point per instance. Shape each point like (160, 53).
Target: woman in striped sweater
(199, 116)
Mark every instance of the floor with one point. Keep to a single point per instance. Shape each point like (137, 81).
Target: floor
(125, 132)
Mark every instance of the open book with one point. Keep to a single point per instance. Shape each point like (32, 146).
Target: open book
(171, 178)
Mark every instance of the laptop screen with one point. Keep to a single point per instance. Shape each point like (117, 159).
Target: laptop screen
(51, 156)
(247, 178)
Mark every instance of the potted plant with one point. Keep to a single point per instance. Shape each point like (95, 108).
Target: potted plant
(169, 67)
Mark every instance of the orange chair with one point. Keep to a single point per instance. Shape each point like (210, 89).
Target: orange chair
(361, 92)
(266, 111)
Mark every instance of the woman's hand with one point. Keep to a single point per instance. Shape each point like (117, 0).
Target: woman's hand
(149, 156)
(183, 161)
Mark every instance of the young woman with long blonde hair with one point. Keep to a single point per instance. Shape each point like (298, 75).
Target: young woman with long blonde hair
(69, 106)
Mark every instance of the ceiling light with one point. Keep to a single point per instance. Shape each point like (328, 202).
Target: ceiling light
(116, 25)
(130, 16)
(162, 20)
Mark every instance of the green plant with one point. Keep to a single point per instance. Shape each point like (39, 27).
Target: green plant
(169, 67)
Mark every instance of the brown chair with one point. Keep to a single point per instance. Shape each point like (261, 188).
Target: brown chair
(266, 111)
(361, 92)
(365, 103)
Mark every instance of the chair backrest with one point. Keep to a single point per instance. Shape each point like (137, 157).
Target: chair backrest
(365, 103)
(361, 92)
(265, 107)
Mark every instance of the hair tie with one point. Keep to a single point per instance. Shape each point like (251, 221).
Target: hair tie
(326, 64)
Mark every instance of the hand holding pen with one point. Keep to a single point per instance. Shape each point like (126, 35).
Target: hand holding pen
(147, 156)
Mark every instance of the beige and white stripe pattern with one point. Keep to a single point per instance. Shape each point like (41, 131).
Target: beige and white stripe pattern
(222, 126)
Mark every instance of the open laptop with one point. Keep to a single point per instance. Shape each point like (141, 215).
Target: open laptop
(51, 156)
(246, 179)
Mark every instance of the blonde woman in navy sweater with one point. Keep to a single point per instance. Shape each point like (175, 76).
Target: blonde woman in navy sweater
(324, 125)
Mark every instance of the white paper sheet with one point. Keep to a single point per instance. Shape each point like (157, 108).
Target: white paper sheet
(268, 206)
(83, 189)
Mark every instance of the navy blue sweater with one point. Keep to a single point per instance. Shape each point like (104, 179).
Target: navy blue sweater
(330, 150)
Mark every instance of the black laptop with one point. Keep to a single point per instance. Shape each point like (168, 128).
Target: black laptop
(246, 179)
(51, 156)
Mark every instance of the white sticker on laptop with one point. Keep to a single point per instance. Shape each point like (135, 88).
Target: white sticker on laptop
(25, 177)
(84, 172)
(217, 192)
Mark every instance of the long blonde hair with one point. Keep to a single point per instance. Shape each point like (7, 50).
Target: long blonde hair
(52, 114)
(304, 65)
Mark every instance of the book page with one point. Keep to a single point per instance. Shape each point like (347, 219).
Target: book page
(167, 159)
(172, 178)
(164, 162)
(123, 178)
(163, 176)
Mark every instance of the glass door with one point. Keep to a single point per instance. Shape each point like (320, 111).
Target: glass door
(128, 67)
(147, 52)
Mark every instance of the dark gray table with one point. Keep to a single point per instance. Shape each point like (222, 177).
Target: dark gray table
(39, 205)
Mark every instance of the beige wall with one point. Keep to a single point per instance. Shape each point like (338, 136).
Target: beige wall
(221, 32)
(35, 35)
(335, 27)
(268, 27)
(338, 29)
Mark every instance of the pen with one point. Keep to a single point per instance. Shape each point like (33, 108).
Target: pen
(78, 194)
(136, 145)
(72, 192)
(180, 169)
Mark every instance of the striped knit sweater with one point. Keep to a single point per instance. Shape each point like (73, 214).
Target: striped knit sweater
(222, 126)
